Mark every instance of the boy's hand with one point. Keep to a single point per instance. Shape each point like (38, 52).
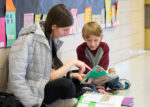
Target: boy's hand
(89, 81)
(78, 76)
(104, 92)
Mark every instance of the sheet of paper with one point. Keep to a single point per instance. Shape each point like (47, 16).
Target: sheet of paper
(96, 18)
(118, 100)
(37, 18)
(127, 101)
(74, 26)
(28, 18)
(80, 22)
(44, 17)
(106, 100)
(103, 105)
(2, 33)
(82, 105)
(102, 19)
(88, 14)
(10, 5)
(113, 18)
(117, 11)
(10, 27)
(108, 12)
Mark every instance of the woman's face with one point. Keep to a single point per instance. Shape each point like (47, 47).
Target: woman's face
(60, 31)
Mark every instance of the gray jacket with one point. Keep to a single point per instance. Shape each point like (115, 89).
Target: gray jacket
(30, 64)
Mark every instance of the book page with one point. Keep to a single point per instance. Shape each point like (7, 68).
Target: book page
(101, 99)
(95, 73)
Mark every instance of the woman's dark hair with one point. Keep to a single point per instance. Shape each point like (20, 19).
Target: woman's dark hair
(59, 16)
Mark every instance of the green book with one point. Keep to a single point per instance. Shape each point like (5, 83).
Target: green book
(99, 76)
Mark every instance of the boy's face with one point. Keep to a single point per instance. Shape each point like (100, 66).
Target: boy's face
(92, 42)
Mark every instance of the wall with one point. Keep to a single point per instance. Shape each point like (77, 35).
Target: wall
(147, 24)
(3, 68)
(125, 41)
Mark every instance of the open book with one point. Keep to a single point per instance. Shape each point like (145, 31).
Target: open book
(99, 76)
(93, 99)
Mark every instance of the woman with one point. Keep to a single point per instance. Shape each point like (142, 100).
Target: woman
(32, 78)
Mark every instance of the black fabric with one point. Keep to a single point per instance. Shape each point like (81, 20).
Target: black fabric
(113, 84)
(68, 75)
(62, 88)
(9, 100)
(82, 88)
(57, 63)
(78, 86)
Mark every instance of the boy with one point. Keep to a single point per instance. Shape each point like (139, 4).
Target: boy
(95, 52)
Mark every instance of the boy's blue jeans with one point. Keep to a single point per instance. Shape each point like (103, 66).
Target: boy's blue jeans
(113, 84)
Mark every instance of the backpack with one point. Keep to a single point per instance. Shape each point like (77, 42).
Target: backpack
(9, 100)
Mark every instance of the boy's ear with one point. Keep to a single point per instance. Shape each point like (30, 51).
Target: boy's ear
(83, 37)
(101, 38)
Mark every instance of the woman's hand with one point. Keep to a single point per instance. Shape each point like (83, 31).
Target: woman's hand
(62, 71)
(81, 65)
(78, 76)
(104, 92)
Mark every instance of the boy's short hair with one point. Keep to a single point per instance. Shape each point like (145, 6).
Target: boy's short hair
(91, 28)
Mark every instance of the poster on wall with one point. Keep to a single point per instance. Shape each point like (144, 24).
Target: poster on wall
(113, 18)
(10, 27)
(10, 19)
(102, 18)
(28, 18)
(37, 18)
(43, 6)
(96, 18)
(74, 26)
(117, 12)
(88, 14)
(108, 13)
(2, 33)
(10, 5)
(44, 17)
(80, 22)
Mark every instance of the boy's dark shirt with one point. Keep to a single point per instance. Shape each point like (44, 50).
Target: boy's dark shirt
(104, 62)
